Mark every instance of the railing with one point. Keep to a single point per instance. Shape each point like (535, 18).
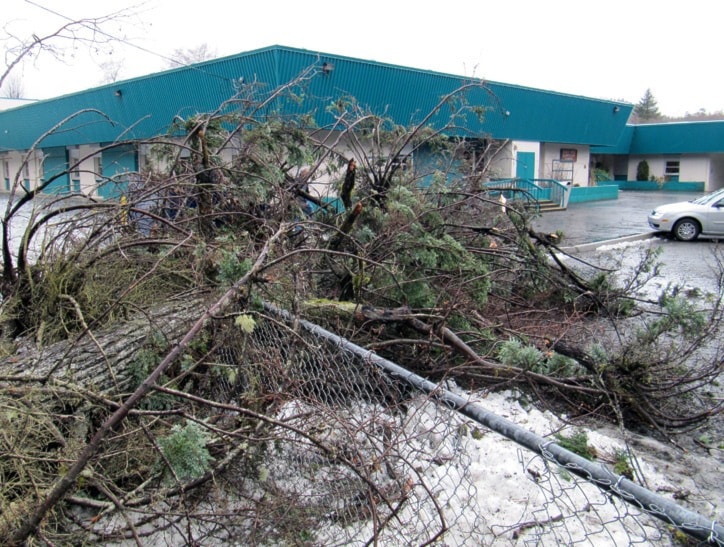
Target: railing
(533, 190)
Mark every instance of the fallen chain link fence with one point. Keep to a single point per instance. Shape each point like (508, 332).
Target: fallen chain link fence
(406, 444)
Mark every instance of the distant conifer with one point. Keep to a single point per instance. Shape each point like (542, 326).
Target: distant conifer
(647, 109)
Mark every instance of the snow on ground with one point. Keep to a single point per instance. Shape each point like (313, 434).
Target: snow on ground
(490, 490)
(693, 267)
(512, 490)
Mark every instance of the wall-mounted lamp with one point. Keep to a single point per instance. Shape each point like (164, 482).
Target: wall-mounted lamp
(507, 113)
(616, 109)
(118, 93)
(327, 67)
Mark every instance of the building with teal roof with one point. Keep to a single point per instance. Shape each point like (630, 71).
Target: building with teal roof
(680, 156)
(539, 134)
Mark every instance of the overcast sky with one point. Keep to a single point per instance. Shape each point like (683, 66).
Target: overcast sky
(613, 49)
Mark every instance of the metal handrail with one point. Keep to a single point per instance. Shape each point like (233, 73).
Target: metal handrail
(533, 190)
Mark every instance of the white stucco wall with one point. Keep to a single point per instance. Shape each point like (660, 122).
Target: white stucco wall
(88, 178)
(84, 178)
(581, 166)
(695, 169)
(12, 162)
(716, 173)
(502, 164)
(692, 168)
(527, 146)
(329, 175)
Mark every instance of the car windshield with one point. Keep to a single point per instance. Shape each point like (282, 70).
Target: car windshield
(709, 198)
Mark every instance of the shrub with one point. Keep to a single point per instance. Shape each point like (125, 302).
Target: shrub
(642, 170)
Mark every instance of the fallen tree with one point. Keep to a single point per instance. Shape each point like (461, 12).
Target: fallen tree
(149, 367)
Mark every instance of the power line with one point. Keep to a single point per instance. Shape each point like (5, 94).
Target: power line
(96, 29)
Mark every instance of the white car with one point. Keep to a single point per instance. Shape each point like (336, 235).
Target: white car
(687, 220)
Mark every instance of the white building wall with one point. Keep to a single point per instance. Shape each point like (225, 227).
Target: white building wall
(657, 166)
(581, 164)
(330, 174)
(692, 168)
(91, 164)
(13, 169)
(503, 164)
(716, 173)
(84, 178)
(695, 169)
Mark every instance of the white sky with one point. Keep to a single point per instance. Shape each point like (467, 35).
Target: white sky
(612, 49)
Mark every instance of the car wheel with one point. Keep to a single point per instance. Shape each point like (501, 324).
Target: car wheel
(687, 229)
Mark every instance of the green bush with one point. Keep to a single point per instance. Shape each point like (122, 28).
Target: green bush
(642, 170)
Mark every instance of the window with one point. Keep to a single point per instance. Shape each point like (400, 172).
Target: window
(74, 161)
(671, 173)
(562, 171)
(98, 166)
(401, 162)
(6, 174)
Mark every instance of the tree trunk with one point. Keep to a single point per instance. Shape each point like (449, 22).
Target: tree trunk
(101, 360)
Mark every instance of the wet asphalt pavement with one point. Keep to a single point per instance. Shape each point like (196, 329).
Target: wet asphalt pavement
(592, 230)
(608, 219)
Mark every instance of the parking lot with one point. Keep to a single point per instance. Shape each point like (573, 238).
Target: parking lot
(608, 219)
(596, 228)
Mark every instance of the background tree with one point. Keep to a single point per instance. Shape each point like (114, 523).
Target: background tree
(13, 88)
(191, 55)
(702, 114)
(111, 71)
(646, 110)
(88, 33)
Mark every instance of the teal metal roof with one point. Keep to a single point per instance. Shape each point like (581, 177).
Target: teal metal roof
(145, 107)
(621, 147)
(670, 138)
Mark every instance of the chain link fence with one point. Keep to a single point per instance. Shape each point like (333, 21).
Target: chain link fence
(316, 441)
(406, 477)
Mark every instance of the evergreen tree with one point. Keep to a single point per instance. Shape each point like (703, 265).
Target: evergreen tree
(647, 109)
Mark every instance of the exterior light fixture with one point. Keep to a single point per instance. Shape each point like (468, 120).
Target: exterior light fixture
(327, 67)
(118, 93)
(616, 109)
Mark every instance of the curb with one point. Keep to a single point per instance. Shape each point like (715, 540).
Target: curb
(594, 245)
